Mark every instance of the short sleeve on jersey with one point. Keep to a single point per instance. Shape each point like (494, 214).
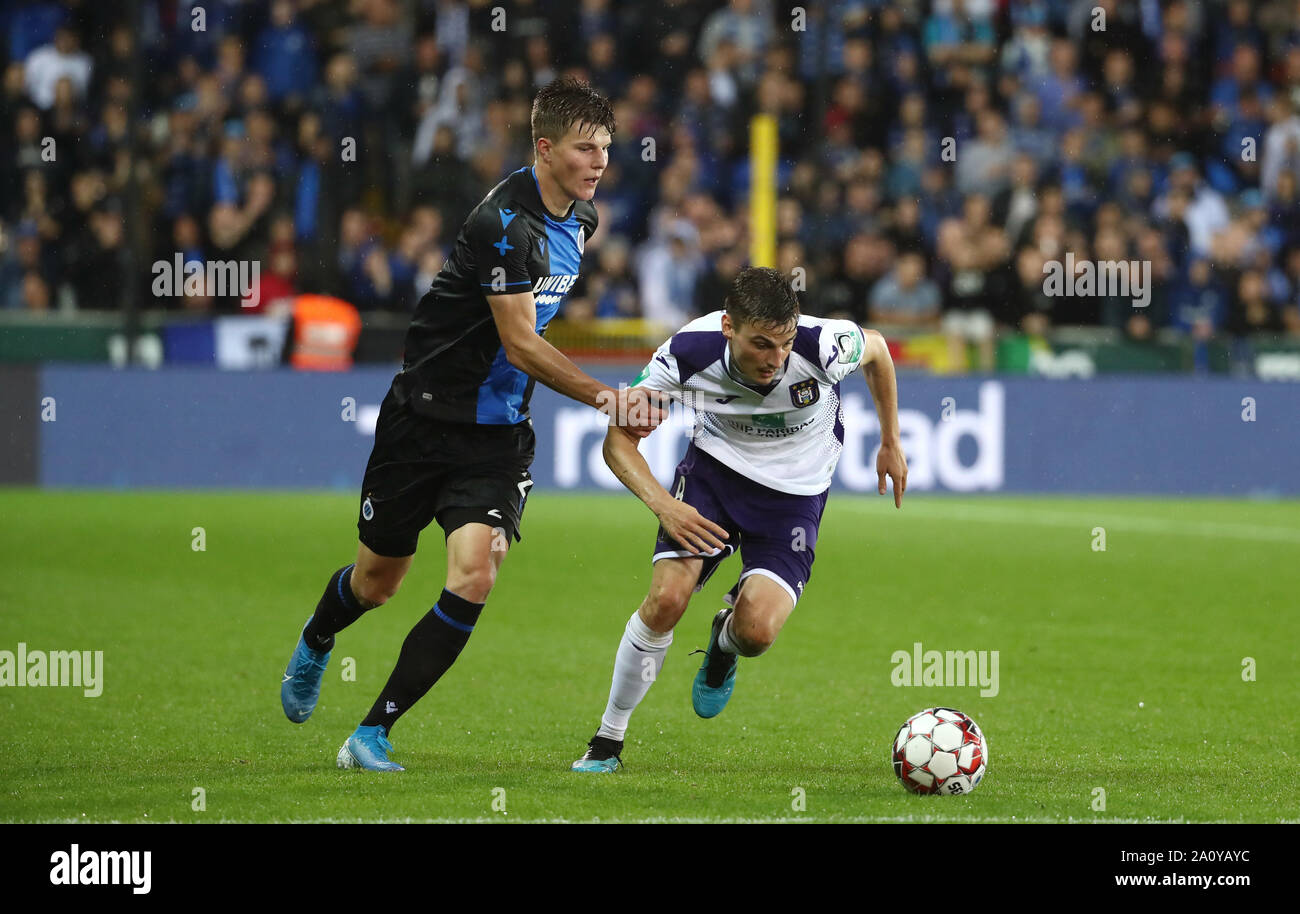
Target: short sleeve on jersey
(842, 346)
(500, 241)
(661, 372)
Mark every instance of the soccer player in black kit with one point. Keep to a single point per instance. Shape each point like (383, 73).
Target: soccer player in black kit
(454, 442)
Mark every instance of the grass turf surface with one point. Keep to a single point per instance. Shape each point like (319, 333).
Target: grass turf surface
(195, 643)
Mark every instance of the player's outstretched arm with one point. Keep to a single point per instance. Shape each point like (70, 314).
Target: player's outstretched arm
(679, 520)
(878, 367)
(516, 320)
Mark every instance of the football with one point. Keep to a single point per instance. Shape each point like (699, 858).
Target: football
(940, 750)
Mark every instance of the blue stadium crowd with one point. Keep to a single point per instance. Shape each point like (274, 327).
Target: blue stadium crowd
(934, 156)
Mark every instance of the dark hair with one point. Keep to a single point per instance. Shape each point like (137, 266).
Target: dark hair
(763, 296)
(566, 102)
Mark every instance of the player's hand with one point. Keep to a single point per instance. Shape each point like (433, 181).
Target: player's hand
(640, 410)
(692, 529)
(891, 462)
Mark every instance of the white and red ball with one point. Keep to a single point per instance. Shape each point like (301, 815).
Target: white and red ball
(940, 750)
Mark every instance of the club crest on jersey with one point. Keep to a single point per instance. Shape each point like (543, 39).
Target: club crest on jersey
(805, 393)
(367, 510)
(582, 235)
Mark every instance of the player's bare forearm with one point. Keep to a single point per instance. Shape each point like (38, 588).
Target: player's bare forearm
(627, 463)
(539, 359)
(516, 320)
(878, 367)
(680, 521)
(634, 408)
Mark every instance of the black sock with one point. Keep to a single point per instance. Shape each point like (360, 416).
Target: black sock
(338, 608)
(428, 652)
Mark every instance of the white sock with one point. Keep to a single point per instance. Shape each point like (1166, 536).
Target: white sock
(637, 664)
(724, 637)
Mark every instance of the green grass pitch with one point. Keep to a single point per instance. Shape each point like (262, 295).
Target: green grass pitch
(1119, 669)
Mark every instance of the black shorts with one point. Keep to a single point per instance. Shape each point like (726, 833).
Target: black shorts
(423, 469)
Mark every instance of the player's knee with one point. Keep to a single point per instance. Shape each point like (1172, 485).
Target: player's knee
(375, 589)
(473, 582)
(753, 636)
(663, 607)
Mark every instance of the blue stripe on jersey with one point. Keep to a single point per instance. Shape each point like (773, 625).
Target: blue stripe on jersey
(563, 250)
(562, 246)
(501, 395)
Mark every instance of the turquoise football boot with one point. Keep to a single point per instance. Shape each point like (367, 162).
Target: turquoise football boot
(368, 748)
(300, 687)
(717, 676)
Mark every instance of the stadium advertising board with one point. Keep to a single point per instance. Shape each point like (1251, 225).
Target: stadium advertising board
(201, 428)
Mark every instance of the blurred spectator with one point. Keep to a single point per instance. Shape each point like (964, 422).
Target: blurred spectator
(1280, 150)
(1290, 304)
(905, 227)
(96, 272)
(1059, 91)
(957, 38)
(1206, 212)
(279, 278)
(667, 271)
(1032, 309)
(972, 251)
(339, 101)
(51, 63)
(444, 180)
(1025, 53)
(983, 164)
(1251, 311)
(1200, 304)
(416, 90)
(745, 25)
(285, 56)
(829, 29)
(711, 290)
(403, 265)
(20, 259)
(35, 292)
(453, 29)
(845, 293)
(906, 297)
(380, 45)
(1015, 207)
(613, 288)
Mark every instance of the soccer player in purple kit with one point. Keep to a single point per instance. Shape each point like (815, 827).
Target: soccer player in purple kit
(453, 442)
(763, 381)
